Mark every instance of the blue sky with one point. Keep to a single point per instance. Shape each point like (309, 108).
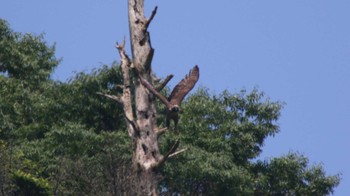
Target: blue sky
(295, 51)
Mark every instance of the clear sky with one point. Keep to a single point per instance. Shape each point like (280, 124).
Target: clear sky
(297, 52)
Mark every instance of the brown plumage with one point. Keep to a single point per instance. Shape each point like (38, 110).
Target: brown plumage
(177, 95)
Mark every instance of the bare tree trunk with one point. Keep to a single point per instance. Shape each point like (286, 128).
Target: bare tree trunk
(144, 130)
(146, 155)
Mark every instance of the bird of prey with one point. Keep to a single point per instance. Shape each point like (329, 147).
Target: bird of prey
(177, 95)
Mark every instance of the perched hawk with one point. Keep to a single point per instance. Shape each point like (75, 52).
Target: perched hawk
(177, 95)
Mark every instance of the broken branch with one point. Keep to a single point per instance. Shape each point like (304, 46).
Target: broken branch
(148, 22)
(120, 46)
(164, 82)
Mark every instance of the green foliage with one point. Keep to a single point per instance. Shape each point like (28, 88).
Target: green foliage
(27, 184)
(290, 175)
(82, 161)
(26, 62)
(89, 108)
(63, 139)
(224, 133)
(26, 57)
(236, 123)
(4, 155)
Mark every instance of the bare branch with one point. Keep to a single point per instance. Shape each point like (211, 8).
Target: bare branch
(173, 148)
(124, 57)
(120, 46)
(177, 152)
(133, 124)
(155, 79)
(149, 57)
(161, 131)
(120, 101)
(126, 97)
(148, 22)
(164, 82)
(155, 92)
(171, 151)
(115, 98)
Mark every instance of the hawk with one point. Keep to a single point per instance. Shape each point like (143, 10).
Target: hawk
(177, 95)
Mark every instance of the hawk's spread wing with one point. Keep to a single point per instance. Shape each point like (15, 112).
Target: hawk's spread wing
(155, 92)
(184, 87)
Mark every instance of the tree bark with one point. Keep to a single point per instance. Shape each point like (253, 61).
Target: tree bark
(146, 153)
(144, 130)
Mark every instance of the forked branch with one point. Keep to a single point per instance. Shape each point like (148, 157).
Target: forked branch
(121, 102)
(165, 157)
(124, 57)
(125, 99)
(127, 106)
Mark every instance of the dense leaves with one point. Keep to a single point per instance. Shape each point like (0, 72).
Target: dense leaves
(224, 133)
(290, 175)
(26, 184)
(53, 132)
(26, 57)
(61, 138)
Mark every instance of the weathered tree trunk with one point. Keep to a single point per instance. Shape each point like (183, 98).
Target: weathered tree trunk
(146, 152)
(144, 130)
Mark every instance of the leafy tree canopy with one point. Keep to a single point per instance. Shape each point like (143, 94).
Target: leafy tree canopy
(25, 56)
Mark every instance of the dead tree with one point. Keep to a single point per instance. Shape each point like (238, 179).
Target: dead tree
(139, 106)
